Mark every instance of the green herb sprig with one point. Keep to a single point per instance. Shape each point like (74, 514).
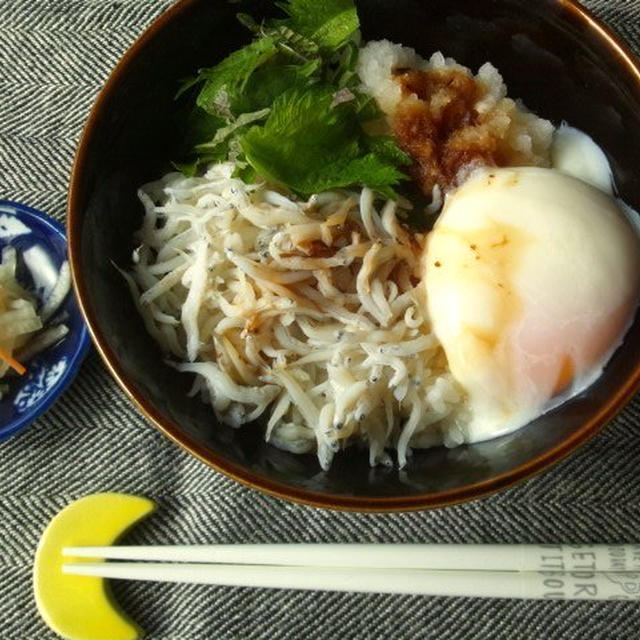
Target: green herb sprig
(288, 107)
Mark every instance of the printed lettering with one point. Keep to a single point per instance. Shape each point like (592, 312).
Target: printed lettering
(583, 575)
(554, 583)
(586, 589)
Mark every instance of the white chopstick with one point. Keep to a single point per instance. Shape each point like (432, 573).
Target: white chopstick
(484, 584)
(442, 557)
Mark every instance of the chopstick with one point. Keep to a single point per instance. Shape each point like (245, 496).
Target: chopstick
(441, 557)
(576, 572)
(483, 584)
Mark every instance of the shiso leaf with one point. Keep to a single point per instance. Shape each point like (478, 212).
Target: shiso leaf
(223, 134)
(225, 83)
(311, 145)
(200, 126)
(189, 169)
(246, 173)
(300, 74)
(330, 23)
(271, 81)
(386, 148)
(292, 43)
(186, 84)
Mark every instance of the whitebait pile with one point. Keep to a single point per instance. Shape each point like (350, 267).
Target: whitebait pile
(309, 312)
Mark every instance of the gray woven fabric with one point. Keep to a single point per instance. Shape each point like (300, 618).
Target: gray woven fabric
(54, 57)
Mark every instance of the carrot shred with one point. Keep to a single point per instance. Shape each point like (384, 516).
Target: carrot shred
(12, 362)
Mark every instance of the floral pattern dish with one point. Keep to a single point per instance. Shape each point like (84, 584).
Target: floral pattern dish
(42, 249)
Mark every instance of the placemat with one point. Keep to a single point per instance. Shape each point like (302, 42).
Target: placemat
(54, 57)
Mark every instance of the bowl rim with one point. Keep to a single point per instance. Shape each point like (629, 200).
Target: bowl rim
(79, 352)
(377, 504)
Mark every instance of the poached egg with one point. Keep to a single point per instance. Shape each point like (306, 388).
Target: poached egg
(532, 278)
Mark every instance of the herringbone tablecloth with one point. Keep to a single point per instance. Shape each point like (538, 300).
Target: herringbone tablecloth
(54, 58)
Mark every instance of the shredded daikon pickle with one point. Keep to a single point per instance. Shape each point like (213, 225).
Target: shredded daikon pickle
(21, 321)
(309, 315)
(18, 316)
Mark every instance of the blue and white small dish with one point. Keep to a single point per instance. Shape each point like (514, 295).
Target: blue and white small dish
(43, 241)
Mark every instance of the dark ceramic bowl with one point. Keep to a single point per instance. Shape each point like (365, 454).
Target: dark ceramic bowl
(552, 53)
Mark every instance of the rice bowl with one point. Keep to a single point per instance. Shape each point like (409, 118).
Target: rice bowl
(432, 478)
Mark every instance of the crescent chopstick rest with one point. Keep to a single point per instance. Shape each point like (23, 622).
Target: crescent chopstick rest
(64, 600)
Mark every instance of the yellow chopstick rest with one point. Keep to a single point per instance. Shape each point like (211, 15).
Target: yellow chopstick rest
(76, 607)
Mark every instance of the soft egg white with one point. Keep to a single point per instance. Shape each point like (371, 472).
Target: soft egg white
(575, 153)
(532, 279)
